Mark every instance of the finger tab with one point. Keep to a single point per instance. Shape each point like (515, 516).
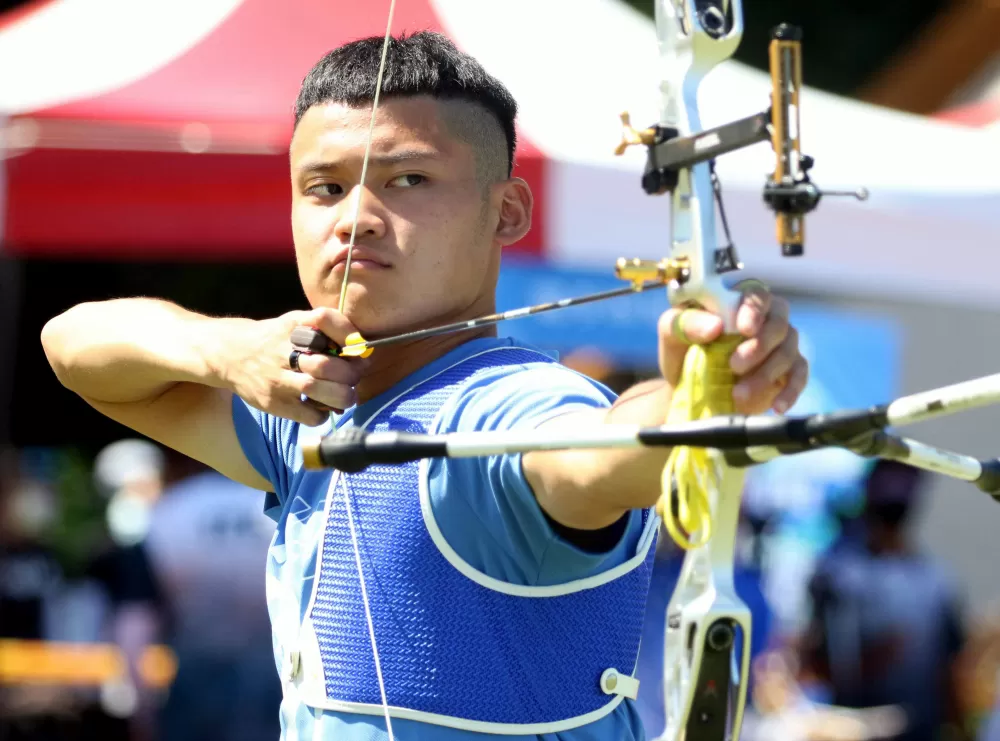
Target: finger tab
(310, 338)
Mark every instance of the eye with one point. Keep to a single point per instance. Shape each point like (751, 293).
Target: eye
(325, 190)
(407, 181)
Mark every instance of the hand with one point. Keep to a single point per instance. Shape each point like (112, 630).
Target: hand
(255, 366)
(770, 369)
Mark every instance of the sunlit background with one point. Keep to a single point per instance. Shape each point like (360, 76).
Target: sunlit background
(143, 152)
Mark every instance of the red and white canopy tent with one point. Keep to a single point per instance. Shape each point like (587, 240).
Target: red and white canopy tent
(161, 128)
(146, 127)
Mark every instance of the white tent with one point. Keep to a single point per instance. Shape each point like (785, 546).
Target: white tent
(930, 229)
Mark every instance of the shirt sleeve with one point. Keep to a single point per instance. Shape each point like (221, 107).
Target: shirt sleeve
(268, 442)
(485, 507)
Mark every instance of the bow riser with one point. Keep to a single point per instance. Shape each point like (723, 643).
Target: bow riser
(689, 51)
(707, 623)
(706, 620)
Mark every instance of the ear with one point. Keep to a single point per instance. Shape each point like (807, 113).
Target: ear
(516, 203)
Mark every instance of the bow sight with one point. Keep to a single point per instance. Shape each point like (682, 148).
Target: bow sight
(788, 191)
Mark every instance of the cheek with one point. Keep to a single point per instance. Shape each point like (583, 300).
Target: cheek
(310, 226)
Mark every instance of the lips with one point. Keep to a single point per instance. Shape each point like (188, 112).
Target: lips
(360, 256)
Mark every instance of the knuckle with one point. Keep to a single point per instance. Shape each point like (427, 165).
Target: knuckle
(307, 384)
(665, 324)
(790, 349)
(311, 417)
(802, 371)
(314, 389)
(329, 393)
(336, 369)
(295, 318)
(780, 306)
(775, 333)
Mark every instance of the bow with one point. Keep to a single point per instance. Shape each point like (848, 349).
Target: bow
(707, 633)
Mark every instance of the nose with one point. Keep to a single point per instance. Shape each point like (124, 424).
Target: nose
(370, 223)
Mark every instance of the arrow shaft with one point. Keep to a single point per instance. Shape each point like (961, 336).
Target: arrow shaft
(503, 316)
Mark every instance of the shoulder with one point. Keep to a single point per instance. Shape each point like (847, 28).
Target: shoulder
(524, 392)
(272, 445)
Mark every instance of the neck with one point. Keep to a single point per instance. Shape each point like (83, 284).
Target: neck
(391, 365)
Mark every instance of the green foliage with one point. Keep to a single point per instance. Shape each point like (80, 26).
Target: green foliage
(79, 528)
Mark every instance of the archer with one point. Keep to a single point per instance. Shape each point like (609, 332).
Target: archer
(497, 589)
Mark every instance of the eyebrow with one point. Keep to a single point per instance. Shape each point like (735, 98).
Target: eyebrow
(375, 160)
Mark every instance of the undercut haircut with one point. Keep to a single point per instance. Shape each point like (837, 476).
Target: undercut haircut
(478, 110)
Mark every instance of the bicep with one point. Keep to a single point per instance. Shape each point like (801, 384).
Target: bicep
(194, 420)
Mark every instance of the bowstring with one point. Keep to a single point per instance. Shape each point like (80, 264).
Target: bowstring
(343, 297)
(364, 162)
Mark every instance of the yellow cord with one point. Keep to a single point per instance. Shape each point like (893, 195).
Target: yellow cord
(705, 390)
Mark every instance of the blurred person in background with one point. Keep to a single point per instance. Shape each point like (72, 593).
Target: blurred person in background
(886, 624)
(30, 581)
(30, 573)
(208, 539)
(130, 474)
(780, 710)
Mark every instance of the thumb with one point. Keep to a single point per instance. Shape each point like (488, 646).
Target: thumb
(678, 329)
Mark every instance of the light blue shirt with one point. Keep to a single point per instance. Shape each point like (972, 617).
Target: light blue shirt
(484, 507)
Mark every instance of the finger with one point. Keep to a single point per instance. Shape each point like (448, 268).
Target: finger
(328, 368)
(678, 329)
(321, 407)
(796, 384)
(754, 308)
(760, 388)
(330, 322)
(751, 353)
(303, 413)
(328, 393)
(683, 327)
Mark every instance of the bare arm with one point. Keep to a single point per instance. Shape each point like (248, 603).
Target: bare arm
(589, 490)
(171, 374)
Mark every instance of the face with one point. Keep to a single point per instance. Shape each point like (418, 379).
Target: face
(428, 241)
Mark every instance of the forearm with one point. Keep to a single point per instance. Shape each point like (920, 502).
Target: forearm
(592, 488)
(128, 350)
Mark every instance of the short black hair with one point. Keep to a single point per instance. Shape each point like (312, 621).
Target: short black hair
(424, 63)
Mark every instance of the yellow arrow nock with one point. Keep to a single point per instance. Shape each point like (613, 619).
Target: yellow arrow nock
(356, 347)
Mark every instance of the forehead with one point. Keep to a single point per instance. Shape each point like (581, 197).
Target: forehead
(336, 132)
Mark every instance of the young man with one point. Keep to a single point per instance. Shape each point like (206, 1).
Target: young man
(500, 589)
